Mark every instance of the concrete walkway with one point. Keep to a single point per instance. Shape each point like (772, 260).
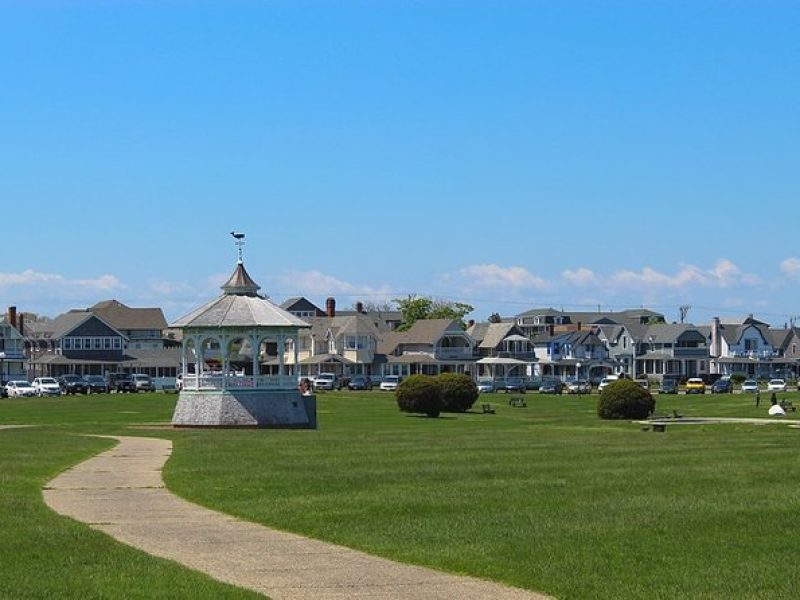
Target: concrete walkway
(121, 493)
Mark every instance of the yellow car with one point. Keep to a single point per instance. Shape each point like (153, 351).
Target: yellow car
(695, 385)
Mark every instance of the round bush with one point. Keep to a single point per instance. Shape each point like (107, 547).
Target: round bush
(419, 394)
(625, 399)
(459, 392)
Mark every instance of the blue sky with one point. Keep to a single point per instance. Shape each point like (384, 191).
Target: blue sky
(505, 154)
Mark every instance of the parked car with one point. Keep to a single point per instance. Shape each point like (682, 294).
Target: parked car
(360, 382)
(73, 384)
(327, 381)
(552, 386)
(579, 386)
(750, 386)
(95, 384)
(514, 384)
(46, 386)
(18, 387)
(722, 386)
(606, 381)
(142, 382)
(776, 385)
(533, 383)
(486, 385)
(668, 386)
(120, 382)
(389, 383)
(695, 385)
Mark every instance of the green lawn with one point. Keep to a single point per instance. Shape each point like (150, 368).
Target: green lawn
(546, 497)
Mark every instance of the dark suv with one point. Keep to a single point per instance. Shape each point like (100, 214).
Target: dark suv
(722, 386)
(120, 382)
(72, 384)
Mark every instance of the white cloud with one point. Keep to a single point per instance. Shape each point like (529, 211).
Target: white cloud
(723, 274)
(791, 267)
(55, 282)
(581, 277)
(316, 283)
(495, 276)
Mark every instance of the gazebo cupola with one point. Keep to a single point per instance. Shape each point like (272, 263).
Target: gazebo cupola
(238, 342)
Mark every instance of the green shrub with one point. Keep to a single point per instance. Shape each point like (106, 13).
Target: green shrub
(625, 399)
(419, 394)
(459, 392)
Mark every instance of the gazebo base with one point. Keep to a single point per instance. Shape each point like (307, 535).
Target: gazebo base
(240, 408)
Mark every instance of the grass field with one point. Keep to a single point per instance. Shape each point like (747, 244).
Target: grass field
(546, 497)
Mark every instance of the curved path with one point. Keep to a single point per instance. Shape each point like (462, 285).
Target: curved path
(121, 493)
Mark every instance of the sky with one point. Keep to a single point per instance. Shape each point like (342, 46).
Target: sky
(506, 154)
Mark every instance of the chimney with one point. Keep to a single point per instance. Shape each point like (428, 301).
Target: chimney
(330, 307)
(551, 330)
(12, 316)
(359, 307)
(579, 325)
(21, 323)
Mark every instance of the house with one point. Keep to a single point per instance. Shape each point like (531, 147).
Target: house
(83, 342)
(142, 327)
(502, 350)
(748, 346)
(657, 350)
(580, 354)
(345, 345)
(542, 320)
(12, 345)
(429, 347)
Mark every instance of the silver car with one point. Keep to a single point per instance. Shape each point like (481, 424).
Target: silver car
(19, 388)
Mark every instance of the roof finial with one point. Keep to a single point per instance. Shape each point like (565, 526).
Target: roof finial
(239, 237)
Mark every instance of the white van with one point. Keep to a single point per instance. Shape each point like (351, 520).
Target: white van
(606, 381)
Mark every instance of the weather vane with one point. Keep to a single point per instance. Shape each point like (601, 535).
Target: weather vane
(239, 237)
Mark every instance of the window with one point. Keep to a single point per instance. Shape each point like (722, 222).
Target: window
(97, 344)
(751, 344)
(67, 343)
(107, 343)
(117, 343)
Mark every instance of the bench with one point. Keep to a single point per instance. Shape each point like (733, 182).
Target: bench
(518, 402)
(488, 409)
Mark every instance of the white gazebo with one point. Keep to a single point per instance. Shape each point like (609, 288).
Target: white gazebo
(233, 359)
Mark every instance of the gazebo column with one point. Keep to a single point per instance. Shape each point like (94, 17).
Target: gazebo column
(295, 342)
(281, 352)
(223, 352)
(198, 360)
(255, 344)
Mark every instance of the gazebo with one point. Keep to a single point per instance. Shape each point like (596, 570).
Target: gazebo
(233, 360)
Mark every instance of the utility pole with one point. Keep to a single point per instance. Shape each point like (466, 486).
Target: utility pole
(684, 310)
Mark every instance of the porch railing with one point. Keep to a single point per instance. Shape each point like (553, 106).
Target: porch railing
(237, 382)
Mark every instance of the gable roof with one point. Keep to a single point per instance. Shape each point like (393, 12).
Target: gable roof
(490, 335)
(67, 322)
(120, 316)
(422, 332)
(301, 304)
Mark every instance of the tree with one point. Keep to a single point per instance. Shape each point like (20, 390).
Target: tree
(416, 308)
(495, 318)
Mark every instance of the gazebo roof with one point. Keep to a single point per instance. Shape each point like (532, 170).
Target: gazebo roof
(240, 306)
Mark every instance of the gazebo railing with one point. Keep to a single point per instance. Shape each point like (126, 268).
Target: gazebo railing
(236, 382)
